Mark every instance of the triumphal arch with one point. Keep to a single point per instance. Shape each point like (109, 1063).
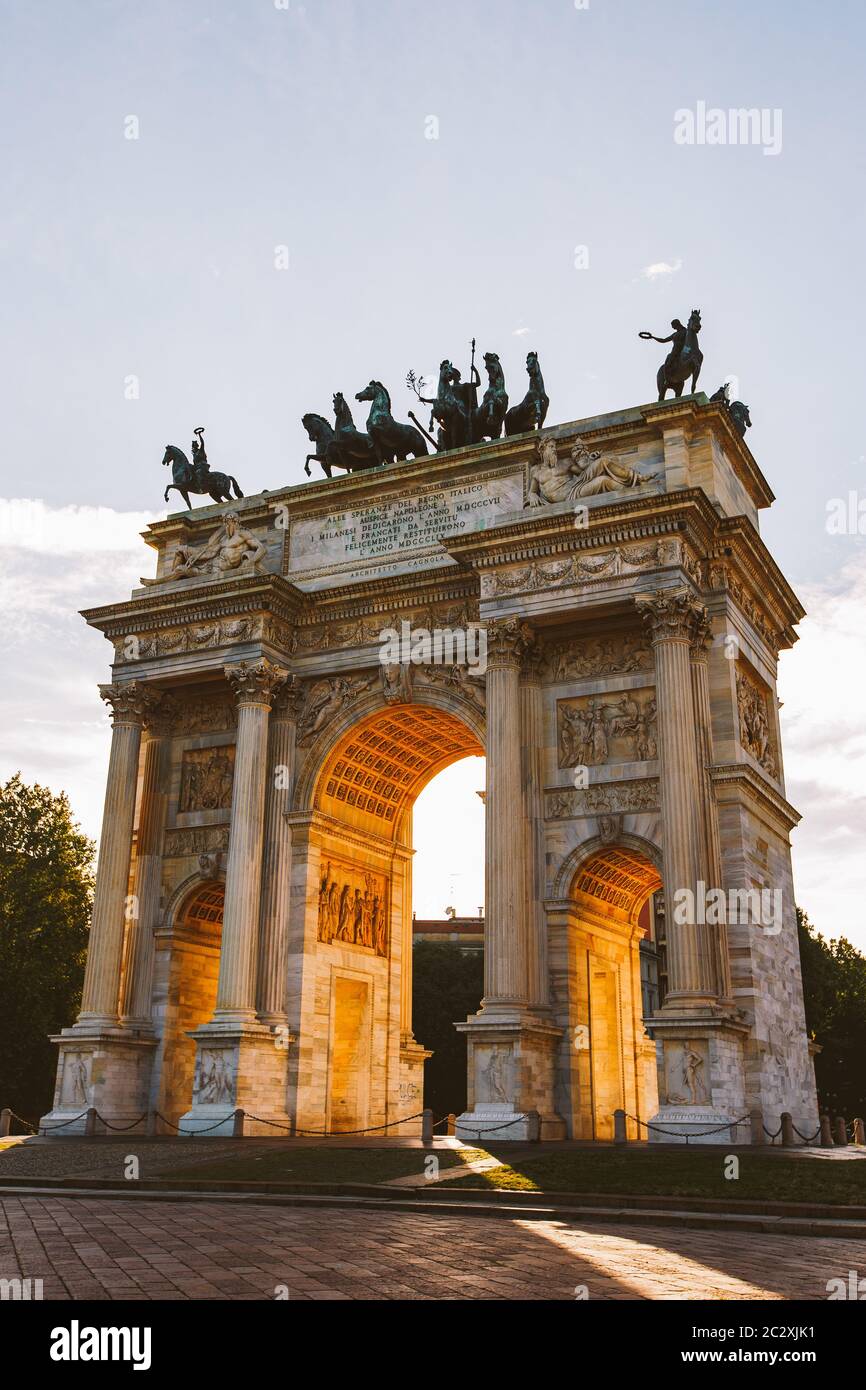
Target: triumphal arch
(252, 926)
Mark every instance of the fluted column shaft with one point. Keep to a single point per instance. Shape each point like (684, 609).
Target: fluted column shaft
(276, 871)
(670, 616)
(712, 839)
(254, 686)
(148, 879)
(99, 1001)
(505, 952)
(531, 722)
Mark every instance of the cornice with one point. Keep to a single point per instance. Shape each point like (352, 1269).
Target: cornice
(688, 512)
(760, 789)
(171, 607)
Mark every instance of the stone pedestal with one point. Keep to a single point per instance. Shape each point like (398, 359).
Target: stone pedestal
(701, 1082)
(510, 1079)
(239, 1067)
(106, 1070)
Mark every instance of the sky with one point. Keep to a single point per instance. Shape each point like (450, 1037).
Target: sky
(220, 214)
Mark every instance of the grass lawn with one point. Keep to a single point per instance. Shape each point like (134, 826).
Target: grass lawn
(321, 1164)
(678, 1173)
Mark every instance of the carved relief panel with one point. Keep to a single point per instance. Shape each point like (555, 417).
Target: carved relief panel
(206, 776)
(353, 907)
(613, 728)
(757, 726)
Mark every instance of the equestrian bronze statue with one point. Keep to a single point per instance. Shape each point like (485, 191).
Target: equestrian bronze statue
(684, 359)
(197, 477)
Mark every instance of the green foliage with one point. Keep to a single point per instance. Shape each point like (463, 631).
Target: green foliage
(46, 886)
(447, 984)
(834, 990)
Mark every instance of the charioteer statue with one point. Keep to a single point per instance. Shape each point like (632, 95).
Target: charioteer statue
(197, 477)
(684, 359)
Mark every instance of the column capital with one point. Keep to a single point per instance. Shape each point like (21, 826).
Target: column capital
(508, 640)
(701, 635)
(255, 682)
(670, 614)
(288, 699)
(131, 701)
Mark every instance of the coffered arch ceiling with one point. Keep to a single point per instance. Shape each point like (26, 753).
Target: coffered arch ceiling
(375, 772)
(616, 880)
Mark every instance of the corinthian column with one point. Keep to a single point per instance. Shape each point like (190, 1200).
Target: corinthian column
(129, 703)
(254, 685)
(671, 616)
(531, 738)
(506, 981)
(274, 925)
(711, 858)
(148, 879)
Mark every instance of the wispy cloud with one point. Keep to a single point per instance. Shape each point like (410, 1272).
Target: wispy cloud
(520, 332)
(659, 269)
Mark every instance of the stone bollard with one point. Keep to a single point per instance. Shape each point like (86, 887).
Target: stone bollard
(89, 1123)
(859, 1132)
(238, 1124)
(787, 1130)
(841, 1131)
(619, 1131)
(756, 1125)
(150, 1124)
(826, 1132)
(451, 1127)
(426, 1126)
(5, 1123)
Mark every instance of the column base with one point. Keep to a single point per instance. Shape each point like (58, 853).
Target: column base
(511, 1056)
(239, 1067)
(701, 1079)
(411, 1095)
(696, 1124)
(495, 1124)
(104, 1070)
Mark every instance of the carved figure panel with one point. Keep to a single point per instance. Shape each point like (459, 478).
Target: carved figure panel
(586, 657)
(685, 1073)
(206, 777)
(353, 907)
(596, 729)
(756, 725)
(606, 797)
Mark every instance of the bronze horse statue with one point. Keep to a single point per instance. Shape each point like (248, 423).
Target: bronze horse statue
(494, 403)
(391, 441)
(684, 359)
(197, 478)
(532, 411)
(343, 447)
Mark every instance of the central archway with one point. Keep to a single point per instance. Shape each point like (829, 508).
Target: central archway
(363, 1066)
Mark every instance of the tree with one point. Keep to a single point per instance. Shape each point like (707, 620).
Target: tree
(46, 889)
(834, 993)
(447, 986)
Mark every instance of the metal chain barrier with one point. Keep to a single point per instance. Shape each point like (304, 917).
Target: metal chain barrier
(695, 1134)
(811, 1139)
(25, 1123)
(491, 1129)
(120, 1129)
(772, 1136)
(192, 1133)
(335, 1133)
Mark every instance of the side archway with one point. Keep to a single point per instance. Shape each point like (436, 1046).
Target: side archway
(596, 928)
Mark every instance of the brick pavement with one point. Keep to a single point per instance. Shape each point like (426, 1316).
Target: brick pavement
(100, 1248)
